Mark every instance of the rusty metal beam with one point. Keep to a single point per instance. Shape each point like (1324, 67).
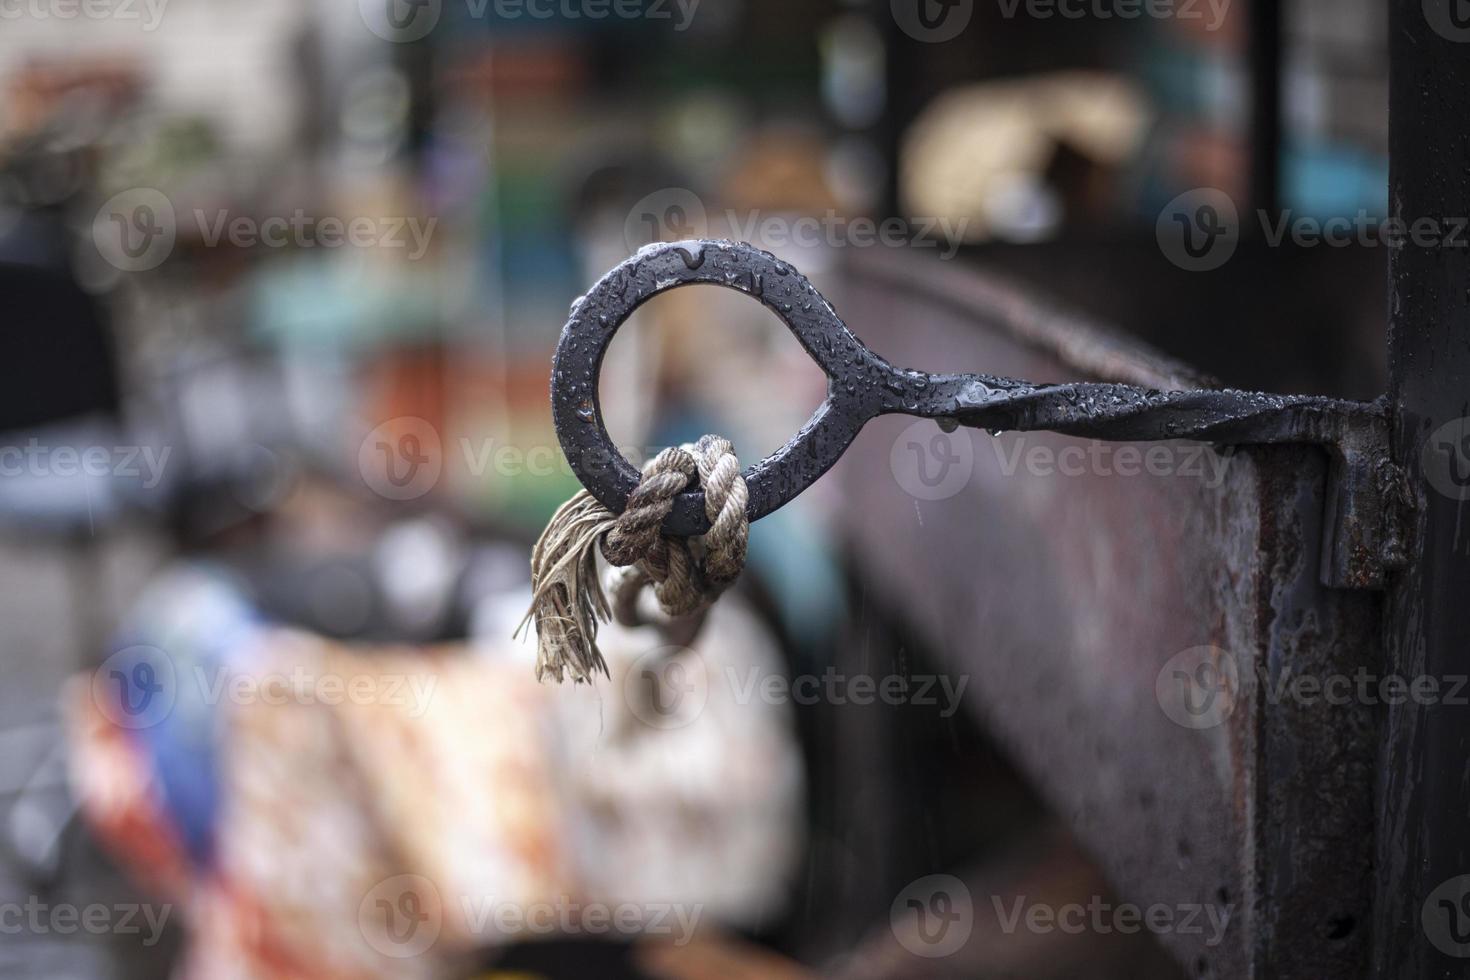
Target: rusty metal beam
(1086, 589)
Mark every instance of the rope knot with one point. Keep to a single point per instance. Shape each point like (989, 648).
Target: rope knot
(687, 574)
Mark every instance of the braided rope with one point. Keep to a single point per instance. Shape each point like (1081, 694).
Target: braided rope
(568, 601)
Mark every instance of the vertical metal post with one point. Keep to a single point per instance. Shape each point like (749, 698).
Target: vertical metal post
(1424, 781)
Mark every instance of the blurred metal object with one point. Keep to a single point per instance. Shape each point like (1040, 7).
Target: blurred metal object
(1363, 503)
(1084, 606)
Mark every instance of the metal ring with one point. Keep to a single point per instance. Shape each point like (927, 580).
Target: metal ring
(854, 373)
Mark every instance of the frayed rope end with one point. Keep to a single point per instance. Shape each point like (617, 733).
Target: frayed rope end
(567, 601)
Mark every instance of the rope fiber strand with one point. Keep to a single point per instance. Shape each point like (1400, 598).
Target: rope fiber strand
(688, 574)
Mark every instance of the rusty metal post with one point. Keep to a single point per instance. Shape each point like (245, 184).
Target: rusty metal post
(1422, 917)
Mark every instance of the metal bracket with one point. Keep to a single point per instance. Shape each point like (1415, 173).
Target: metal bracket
(1365, 506)
(1370, 508)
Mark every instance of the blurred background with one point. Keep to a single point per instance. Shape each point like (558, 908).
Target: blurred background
(282, 281)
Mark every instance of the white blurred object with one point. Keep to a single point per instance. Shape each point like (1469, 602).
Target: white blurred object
(417, 562)
(229, 62)
(683, 785)
(973, 148)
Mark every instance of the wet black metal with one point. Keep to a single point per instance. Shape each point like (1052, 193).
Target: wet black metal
(862, 386)
(1421, 924)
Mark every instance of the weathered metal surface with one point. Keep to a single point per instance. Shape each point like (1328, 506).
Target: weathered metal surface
(863, 386)
(1064, 598)
(1422, 917)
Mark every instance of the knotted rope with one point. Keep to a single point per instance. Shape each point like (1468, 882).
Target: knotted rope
(567, 600)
